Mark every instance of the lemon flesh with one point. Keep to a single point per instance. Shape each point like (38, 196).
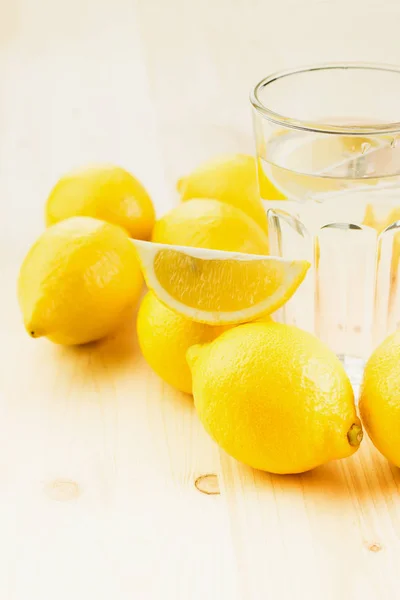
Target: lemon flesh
(78, 280)
(104, 192)
(380, 398)
(231, 179)
(217, 287)
(275, 398)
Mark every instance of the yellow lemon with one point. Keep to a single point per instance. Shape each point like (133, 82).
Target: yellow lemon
(380, 398)
(164, 338)
(103, 192)
(275, 398)
(231, 179)
(217, 287)
(78, 280)
(210, 224)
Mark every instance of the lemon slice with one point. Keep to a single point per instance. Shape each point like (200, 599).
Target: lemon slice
(216, 287)
(302, 166)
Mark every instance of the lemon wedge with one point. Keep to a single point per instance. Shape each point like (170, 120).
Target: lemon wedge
(302, 166)
(218, 287)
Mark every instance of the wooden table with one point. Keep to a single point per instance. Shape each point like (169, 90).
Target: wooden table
(109, 487)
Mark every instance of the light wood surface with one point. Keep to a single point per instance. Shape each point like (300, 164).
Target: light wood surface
(99, 458)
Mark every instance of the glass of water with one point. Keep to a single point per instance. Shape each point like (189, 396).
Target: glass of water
(328, 138)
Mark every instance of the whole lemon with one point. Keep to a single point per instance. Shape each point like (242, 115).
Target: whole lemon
(77, 281)
(380, 398)
(211, 224)
(104, 192)
(275, 398)
(164, 338)
(232, 179)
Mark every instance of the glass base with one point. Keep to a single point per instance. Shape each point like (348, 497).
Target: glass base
(350, 298)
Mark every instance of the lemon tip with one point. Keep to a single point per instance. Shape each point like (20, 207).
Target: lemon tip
(192, 354)
(33, 331)
(355, 435)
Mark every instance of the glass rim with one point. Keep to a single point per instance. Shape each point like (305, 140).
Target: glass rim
(292, 123)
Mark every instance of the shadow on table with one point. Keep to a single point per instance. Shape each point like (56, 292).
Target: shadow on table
(363, 478)
(114, 351)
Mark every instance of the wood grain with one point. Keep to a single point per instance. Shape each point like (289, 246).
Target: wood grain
(99, 459)
(98, 495)
(331, 533)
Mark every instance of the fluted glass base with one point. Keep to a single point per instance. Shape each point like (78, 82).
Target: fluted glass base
(351, 296)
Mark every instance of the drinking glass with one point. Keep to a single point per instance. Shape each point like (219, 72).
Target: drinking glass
(328, 156)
